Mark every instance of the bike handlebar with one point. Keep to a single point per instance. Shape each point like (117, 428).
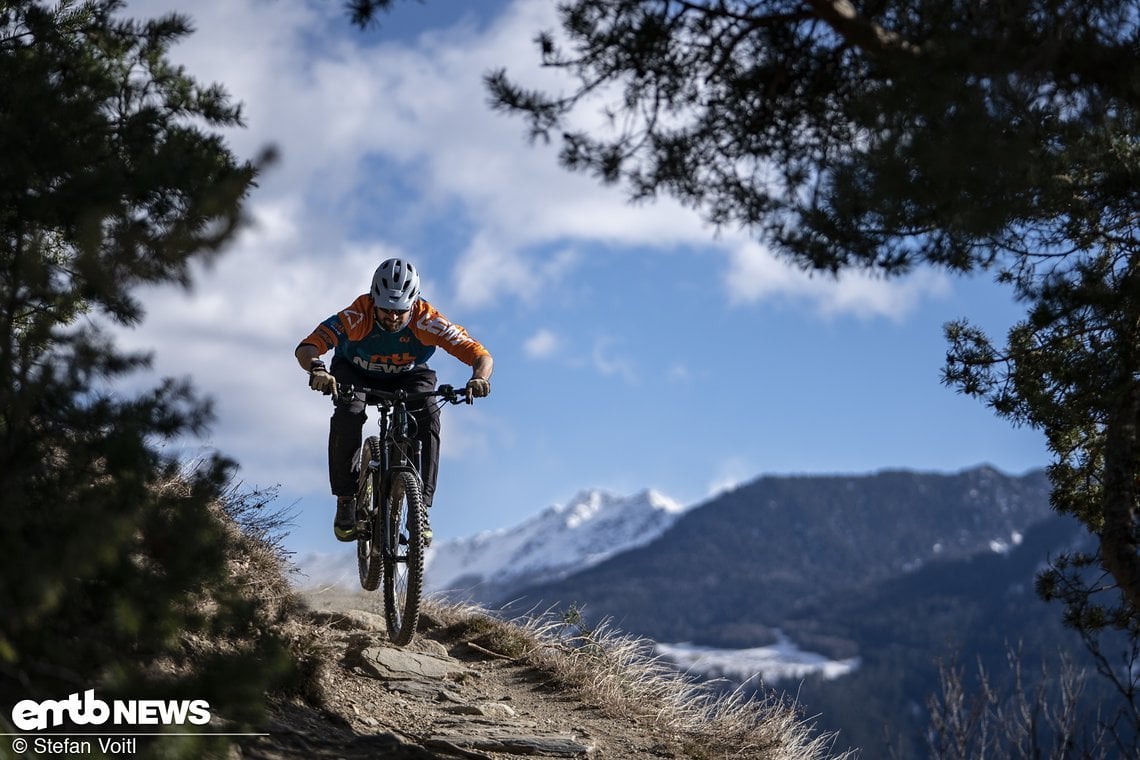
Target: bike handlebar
(447, 392)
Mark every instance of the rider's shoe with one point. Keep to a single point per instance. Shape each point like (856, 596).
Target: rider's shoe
(344, 526)
(426, 532)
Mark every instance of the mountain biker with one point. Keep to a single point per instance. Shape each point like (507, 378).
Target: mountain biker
(383, 341)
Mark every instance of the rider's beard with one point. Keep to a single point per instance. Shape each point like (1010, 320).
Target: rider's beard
(392, 324)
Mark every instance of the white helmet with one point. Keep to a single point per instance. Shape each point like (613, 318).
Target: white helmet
(396, 285)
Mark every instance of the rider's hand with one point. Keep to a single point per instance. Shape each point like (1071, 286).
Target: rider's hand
(321, 380)
(477, 387)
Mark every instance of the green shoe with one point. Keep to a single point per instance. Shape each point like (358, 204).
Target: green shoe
(344, 526)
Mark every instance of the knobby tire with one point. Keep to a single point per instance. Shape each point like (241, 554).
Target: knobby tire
(404, 574)
(369, 562)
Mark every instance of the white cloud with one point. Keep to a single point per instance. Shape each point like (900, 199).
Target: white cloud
(755, 274)
(488, 272)
(608, 359)
(331, 97)
(331, 100)
(542, 344)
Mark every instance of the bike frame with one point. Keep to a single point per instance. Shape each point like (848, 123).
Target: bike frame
(399, 451)
(390, 480)
(395, 440)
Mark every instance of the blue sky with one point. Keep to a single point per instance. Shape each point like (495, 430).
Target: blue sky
(635, 347)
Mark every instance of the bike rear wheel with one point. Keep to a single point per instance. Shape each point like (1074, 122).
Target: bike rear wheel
(404, 557)
(369, 559)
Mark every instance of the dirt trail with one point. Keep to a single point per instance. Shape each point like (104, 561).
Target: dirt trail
(443, 696)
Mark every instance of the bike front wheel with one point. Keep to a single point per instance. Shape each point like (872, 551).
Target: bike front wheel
(369, 562)
(403, 556)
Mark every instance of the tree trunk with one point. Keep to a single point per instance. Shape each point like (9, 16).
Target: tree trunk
(1120, 548)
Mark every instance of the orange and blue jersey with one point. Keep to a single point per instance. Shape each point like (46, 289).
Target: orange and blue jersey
(354, 335)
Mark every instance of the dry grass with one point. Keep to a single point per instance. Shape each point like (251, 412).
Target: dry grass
(619, 674)
(252, 529)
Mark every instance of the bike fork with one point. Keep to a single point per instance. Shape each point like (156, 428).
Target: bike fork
(364, 510)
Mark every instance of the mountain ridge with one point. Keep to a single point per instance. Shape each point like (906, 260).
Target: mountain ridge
(564, 538)
(481, 566)
(732, 567)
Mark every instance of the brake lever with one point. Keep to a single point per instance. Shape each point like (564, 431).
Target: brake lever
(449, 394)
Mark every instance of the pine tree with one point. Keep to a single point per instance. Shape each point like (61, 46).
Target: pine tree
(112, 553)
(997, 136)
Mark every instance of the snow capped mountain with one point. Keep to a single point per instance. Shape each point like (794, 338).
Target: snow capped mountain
(590, 528)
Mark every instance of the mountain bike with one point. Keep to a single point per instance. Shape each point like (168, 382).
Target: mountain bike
(390, 514)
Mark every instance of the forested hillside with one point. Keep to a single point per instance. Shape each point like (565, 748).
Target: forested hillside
(731, 568)
(901, 570)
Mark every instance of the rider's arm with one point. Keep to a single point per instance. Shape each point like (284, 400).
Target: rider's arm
(481, 369)
(306, 353)
(480, 383)
(434, 329)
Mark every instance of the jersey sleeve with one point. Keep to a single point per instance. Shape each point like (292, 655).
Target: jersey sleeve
(434, 329)
(351, 323)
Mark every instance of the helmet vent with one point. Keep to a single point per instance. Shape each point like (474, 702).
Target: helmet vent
(396, 284)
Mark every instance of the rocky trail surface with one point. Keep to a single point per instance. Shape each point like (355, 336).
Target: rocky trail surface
(443, 696)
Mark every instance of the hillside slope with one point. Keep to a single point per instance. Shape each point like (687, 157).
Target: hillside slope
(470, 686)
(968, 611)
(893, 573)
(730, 569)
(329, 684)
